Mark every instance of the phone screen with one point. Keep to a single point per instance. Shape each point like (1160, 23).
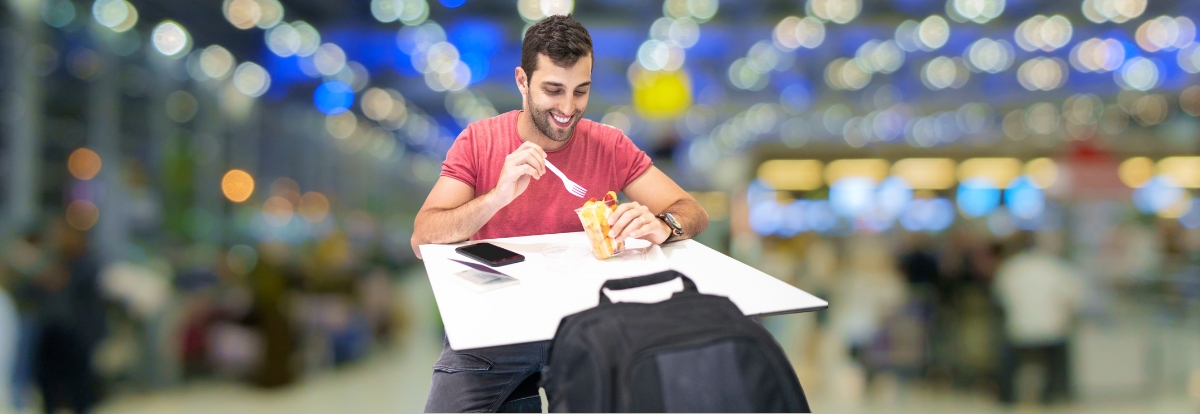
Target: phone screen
(489, 252)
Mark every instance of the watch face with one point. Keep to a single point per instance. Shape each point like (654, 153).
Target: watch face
(671, 221)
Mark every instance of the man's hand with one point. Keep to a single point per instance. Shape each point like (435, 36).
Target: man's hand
(529, 160)
(633, 220)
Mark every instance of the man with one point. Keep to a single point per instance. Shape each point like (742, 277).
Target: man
(494, 184)
(1041, 295)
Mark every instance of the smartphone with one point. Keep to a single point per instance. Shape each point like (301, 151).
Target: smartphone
(490, 254)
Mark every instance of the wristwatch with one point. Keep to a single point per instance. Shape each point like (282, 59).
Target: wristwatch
(676, 228)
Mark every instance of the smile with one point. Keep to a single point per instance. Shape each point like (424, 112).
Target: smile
(562, 121)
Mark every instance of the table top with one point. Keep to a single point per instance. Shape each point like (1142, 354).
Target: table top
(551, 289)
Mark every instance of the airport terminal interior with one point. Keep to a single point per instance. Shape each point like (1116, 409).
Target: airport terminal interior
(207, 206)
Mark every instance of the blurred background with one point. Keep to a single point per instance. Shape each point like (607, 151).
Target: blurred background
(206, 205)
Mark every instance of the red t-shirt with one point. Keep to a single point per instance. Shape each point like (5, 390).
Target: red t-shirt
(598, 157)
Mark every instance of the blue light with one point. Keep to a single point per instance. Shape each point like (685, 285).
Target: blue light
(793, 221)
(820, 216)
(977, 197)
(452, 3)
(928, 215)
(852, 197)
(893, 196)
(765, 217)
(479, 66)
(1024, 199)
(797, 96)
(333, 97)
(1157, 194)
(1191, 219)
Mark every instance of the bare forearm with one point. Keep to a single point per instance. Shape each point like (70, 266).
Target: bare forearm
(691, 216)
(450, 225)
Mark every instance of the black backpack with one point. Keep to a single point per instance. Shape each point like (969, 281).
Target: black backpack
(690, 353)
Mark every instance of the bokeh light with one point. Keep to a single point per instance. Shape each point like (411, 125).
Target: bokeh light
(977, 197)
(251, 79)
(1096, 55)
(216, 62)
(242, 14)
(1117, 11)
(171, 39)
(181, 106)
(1042, 74)
(313, 206)
(1139, 74)
(991, 56)
(82, 215)
(1043, 33)
(84, 164)
(277, 211)
(1165, 33)
(237, 185)
(837, 11)
(978, 11)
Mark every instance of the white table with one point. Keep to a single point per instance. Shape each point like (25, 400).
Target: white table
(531, 310)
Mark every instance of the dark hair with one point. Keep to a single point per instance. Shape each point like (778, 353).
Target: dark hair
(559, 37)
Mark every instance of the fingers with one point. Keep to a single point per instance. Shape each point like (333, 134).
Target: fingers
(628, 221)
(527, 156)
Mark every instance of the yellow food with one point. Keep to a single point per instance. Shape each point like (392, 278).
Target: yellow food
(594, 215)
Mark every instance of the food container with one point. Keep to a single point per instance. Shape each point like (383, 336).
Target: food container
(594, 216)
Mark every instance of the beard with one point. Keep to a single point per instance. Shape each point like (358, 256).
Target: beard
(541, 120)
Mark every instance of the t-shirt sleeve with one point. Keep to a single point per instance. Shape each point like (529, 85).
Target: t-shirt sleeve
(631, 162)
(460, 159)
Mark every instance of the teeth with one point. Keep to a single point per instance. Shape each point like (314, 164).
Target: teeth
(561, 120)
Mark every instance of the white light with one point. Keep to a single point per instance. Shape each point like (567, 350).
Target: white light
(242, 14)
(283, 40)
(933, 33)
(251, 79)
(991, 56)
(1165, 33)
(530, 10)
(1044, 33)
(557, 7)
(131, 20)
(939, 73)
(377, 104)
(882, 57)
(110, 13)
(906, 36)
(743, 76)
(412, 12)
(653, 55)
(310, 40)
(1117, 11)
(171, 39)
(272, 13)
(216, 62)
(763, 56)
(683, 33)
(440, 57)
(978, 11)
(384, 10)
(1189, 58)
(1096, 55)
(1138, 73)
(702, 10)
(837, 11)
(807, 32)
(845, 74)
(329, 59)
(1042, 74)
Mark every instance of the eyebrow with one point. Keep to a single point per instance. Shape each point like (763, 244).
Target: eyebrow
(561, 85)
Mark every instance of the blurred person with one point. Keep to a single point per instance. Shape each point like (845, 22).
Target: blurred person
(1041, 294)
(869, 294)
(71, 322)
(270, 315)
(920, 266)
(491, 187)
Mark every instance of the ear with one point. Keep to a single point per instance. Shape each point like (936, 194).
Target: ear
(522, 81)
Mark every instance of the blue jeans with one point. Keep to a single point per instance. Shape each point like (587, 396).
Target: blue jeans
(478, 380)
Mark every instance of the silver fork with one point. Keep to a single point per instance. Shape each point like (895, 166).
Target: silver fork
(575, 189)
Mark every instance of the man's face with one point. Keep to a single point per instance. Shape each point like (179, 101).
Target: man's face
(556, 97)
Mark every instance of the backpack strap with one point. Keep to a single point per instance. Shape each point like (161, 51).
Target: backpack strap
(647, 280)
